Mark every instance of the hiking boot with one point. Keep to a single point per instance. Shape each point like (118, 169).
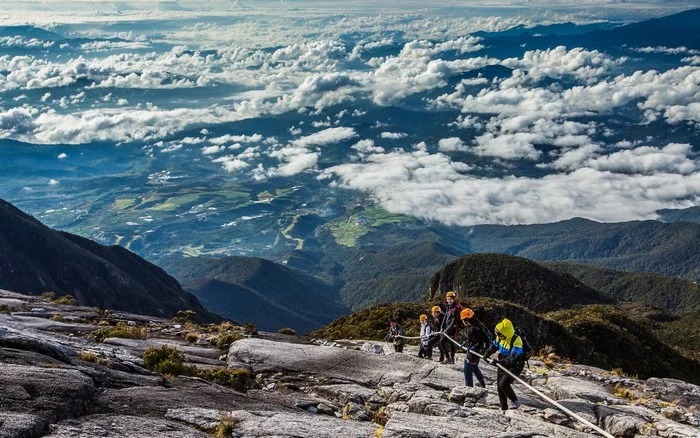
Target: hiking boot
(515, 404)
(481, 385)
(441, 360)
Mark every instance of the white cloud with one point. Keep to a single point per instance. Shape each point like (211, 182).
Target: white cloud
(367, 147)
(451, 144)
(231, 163)
(667, 50)
(647, 160)
(27, 43)
(231, 138)
(508, 146)
(393, 135)
(213, 149)
(327, 136)
(557, 62)
(103, 46)
(436, 188)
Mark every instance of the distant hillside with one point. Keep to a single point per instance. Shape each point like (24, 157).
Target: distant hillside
(667, 293)
(514, 279)
(675, 30)
(269, 294)
(691, 214)
(372, 274)
(622, 342)
(29, 32)
(640, 246)
(36, 259)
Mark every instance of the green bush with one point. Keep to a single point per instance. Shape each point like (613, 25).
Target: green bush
(238, 379)
(287, 331)
(65, 300)
(224, 340)
(49, 295)
(169, 360)
(250, 328)
(121, 330)
(183, 316)
(226, 427)
(166, 360)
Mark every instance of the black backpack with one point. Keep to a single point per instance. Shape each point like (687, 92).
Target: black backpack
(527, 347)
(485, 339)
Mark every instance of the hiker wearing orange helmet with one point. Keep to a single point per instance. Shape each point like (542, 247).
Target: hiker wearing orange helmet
(438, 317)
(450, 326)
(425, 350)
(478, 340)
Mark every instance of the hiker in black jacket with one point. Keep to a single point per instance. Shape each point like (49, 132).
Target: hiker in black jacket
(394, 336)
(438, 317)
(450, 326)
(477, 340)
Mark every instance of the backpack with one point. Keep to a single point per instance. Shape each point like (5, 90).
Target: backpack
(527, 347)
(485, 335)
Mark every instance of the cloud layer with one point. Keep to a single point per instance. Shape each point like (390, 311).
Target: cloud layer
(408, 108)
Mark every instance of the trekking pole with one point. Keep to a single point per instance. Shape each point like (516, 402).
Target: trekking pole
(553, 402)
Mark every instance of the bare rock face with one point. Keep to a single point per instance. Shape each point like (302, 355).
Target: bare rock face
(14, 424)
(53, 392)
(571, 387)
(371, 347)
(348, 365)
(123, 426)
(480, 423)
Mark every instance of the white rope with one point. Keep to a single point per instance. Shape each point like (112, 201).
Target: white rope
(388, 349)
(418, 337)
(553, 402)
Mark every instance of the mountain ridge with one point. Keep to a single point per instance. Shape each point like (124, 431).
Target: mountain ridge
(270, 294)
(36, 259)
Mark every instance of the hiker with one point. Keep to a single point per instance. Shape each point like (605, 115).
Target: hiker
(511, 357)
(435, 339)
(450, 326)
(425, 350)
(395, 336)
(478, 340)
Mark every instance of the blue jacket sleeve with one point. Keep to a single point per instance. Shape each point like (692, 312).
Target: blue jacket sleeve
(515, 352)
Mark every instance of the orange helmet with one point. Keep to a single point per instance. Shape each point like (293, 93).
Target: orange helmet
(423, 317)
(466, 313)
(450, 294)
(436, 309)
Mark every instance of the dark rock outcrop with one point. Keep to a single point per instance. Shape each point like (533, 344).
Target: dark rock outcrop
(36, 259)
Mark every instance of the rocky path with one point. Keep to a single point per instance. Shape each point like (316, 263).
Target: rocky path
(57, 380)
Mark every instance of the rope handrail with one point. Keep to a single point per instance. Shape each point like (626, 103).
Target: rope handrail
(417, 337)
